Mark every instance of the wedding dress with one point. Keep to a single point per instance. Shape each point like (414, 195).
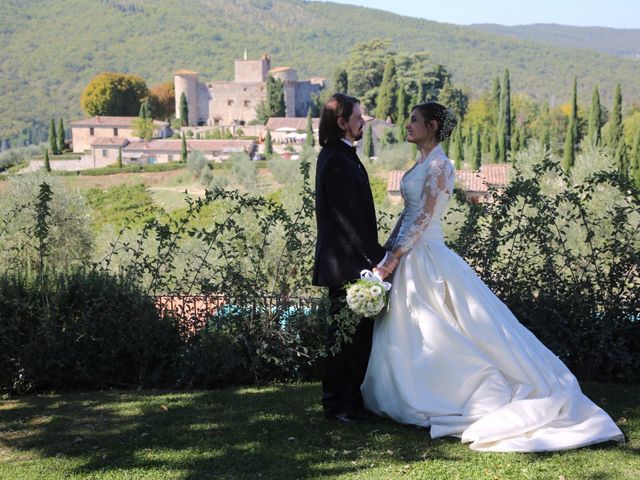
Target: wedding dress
(449, 355)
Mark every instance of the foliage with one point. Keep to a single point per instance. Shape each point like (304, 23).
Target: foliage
(595, 119)
(114, 94)
(77, 332)
(292, 32)
(273, 105)
(367, 145)
(387, 97)
(69, 239)
(60, 137)
(310, 140)
(562, 253)
(268, 146)
(53, 142)
(47, 163)
(143, 127)
(162, 98)
(184, 110)
(16, 156)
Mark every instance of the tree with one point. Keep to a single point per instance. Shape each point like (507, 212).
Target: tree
(143, 128)
(365, 69)
(53, 142)
(615, 123)
(386, 100)
(621, 159)
(454, 99)
(340, 80)
(310, 141)
(457, 146)
(569, 157)
(145, 109)
(476, 156)
(119, 159)
(275, 97)
(273, 105)
(595, 119)
(60, 139)
(47, 163)
(184, 110)
(504, 122)
(574, 112)
(635, 160)
(401, 105)
(367, 147)
(162, 98)
(268, 146)
(495, 101)
(183, 149)
(114, 94)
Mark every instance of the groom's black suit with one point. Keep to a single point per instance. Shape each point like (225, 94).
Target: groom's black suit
(347, 243)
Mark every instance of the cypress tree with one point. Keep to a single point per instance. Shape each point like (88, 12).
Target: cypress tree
(495, 100)
(184, 110)
(53, 141)
(60, 140)
(341, 80)
(476, 150)
(457, 146)
(268, 146)
(119, 159)
(635, 160)
(386, 101)
(574, 112)
(401, 107)
(621, 158)
(275, 97)
(367, 147)
(310, 141)
(595, 119)
(183, 149)
(47, 164)
(615, 129)
(569, 157)
(494, 148)
(504, 124)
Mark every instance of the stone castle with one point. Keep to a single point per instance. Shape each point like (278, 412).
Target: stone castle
(235, 102)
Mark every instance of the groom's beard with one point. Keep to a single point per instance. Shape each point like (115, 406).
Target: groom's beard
(358, 135)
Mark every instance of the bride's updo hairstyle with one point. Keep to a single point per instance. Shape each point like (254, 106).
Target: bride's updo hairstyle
(446, 119)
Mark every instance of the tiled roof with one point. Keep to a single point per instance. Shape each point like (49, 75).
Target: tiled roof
(185, 72)
(496, 173)
(109, 142)
(175, 146)
(299, 123)
(490, 175)
(471, 181)
(107, 121)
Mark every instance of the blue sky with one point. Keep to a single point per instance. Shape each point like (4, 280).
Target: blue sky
(601, 13)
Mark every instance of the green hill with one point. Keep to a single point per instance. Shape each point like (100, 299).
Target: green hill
(50, 49)
(615, 41)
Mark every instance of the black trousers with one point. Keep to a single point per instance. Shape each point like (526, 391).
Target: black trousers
(344, 372)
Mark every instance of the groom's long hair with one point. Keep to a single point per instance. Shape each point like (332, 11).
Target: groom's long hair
(338, 106)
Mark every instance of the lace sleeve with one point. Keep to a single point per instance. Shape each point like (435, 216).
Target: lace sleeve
(394, 233)
(437, 181)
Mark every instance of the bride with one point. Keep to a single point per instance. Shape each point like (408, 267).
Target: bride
(447, 353)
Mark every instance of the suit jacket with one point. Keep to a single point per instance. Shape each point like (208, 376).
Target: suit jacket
(345, 216)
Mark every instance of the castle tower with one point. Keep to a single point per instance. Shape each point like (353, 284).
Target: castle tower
(289, 77)
(187, 81)
(252, 71)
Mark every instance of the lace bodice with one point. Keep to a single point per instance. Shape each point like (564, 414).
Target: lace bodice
(426, 189)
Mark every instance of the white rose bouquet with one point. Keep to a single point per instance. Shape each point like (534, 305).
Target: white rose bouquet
(367, 296)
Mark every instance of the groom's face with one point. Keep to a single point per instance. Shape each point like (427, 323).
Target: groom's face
(352, 126)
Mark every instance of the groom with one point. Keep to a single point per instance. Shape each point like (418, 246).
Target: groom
(347, 243)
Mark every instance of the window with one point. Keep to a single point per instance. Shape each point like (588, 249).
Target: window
(229, 103)
(247, 103)
(91, 131)
(115, 132)
(105, 153)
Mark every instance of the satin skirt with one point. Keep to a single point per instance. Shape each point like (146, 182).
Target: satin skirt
(449, 355)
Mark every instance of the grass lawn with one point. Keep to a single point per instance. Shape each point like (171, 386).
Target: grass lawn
(270, 433)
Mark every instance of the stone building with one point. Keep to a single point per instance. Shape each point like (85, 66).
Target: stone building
(226, 103)
(85, 133)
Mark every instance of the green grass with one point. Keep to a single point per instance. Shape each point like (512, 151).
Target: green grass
(269, 433)
(113, 169)
(115, 205)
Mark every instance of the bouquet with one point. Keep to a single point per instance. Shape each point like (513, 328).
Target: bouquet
(367, 296)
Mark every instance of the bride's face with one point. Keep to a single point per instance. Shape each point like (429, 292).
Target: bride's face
(420, 131)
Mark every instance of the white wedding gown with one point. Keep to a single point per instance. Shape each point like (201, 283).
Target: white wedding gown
(448, 354)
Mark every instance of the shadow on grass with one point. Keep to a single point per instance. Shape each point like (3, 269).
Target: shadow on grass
(271, 432)
(277, 432)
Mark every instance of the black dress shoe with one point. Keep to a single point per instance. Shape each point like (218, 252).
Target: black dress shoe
(350, 417)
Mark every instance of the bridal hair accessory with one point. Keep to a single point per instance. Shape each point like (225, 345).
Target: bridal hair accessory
(367, 296)
(448, 121)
